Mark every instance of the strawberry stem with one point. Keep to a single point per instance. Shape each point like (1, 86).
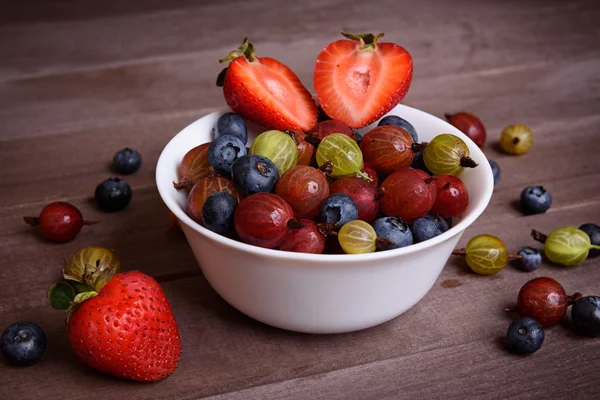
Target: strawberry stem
(245, 50)
(367, 41)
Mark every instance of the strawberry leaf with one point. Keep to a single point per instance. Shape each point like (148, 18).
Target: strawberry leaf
(61, 296)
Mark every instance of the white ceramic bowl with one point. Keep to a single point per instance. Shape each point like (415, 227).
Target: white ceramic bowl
(313, 292)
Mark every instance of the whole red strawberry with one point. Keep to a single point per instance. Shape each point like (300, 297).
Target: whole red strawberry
(266, 91)
(126, 328)
(359, 80)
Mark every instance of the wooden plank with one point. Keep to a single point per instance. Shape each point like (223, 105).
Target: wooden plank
(446, 344)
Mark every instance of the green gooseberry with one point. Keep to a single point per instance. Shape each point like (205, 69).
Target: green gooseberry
(568, 246)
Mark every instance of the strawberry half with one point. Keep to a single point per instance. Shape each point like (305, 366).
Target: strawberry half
(358, 81)
(266, 91)
(122, 324)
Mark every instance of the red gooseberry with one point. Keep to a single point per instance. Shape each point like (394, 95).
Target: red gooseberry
(304, 188)
(407, 194)
(204, 188)
(470, 125)
(194, 166)
(307, 239)
(329, 127)
(543, 299)
(388, 148)
(59, 221)
(452, 196)
(362, 193)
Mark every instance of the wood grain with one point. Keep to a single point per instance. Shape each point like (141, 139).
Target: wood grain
(80, 80)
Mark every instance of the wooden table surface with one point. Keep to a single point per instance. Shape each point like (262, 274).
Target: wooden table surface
(81, 80)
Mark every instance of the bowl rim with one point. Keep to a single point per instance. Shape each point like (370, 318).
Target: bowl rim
(466, 221)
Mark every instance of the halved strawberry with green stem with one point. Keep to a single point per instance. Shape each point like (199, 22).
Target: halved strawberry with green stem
(266, 91)
(358, 81)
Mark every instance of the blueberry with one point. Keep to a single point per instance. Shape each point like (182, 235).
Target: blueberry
(254, 173)
(535, 200)
(530, 260)
(401, 123)
(113, 194)
(127, 161)
(339, 208)
(222, 153)
(231, 124)
(593, 231)
(495, 170)
(217, 212)
(23, 343)
(431, 225)
(586, 315)
(395, 230)
(358, 137)
(524, 336)
(418, 163)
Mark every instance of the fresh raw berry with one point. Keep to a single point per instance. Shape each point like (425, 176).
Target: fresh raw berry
(339, 209)
(362, 193)
(113, 194)
(278, 147)
(23, 343)
(452, 196)
(407, 194)
(593, 232)
(194, 166)
(307, 239)
(397, 233)
(400, 123)
(369, 171)
(535, 200)
(530, 260)
(253, 173)
(388, 148)
(447, 154)
(496, 171)
(231, 124)
(217, 212)
(329, 127)
(204, 188)
(485, 254)
(304, 188)
(59, 221)
(127, 329)
(516, 139)
(357, 237)
(419, 163)
(427, 227)
(586, 315)
(267, 92)
(358, 138)
(470, 125)
(127, 161)
(223, 152)
(543, 299)
(565, 245)
(305, 149)
(524, 336)
(343, 153)
(359, 80)
(264, 219)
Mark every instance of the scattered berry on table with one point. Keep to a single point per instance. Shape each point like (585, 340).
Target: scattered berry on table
(339, 209)
(400, 123)
(530, 260)
(223, 152)
(543, 299)
(565, 245)
(254, 173)
(217, 212)
(59, 221)
(496, 171)
(397, 232)
(127, 161)
(231, 124)
(585, 314)
(470, 125)
(516, 139)
(593, 232)
(23, 343)
(524, 336)
(485, 254)
(535, 200)
(113, 194)
(427, 227)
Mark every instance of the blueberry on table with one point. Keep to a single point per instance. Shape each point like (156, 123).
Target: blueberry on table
(23, 343)
(231, 124)
(254, 173)
(113, 194)
(535, 200)
(427, 227)
(217, 212)
(496, 171)
(127, 161)
(524, 336)
(396, 231)
(223, 152)
(401, 123)
(339, 209)
(530, 260)
(593, 231)
(586, 315)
